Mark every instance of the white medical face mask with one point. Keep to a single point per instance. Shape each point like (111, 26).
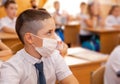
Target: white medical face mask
(48, 47)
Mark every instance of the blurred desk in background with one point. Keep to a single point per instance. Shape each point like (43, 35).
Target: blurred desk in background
(71, 33)
(83, 62)
(5, 58)
(9, 39)
(109, 38)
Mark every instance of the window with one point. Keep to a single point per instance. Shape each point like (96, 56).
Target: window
(70, 6)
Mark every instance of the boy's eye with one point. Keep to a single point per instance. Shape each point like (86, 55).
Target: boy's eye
(49, 33)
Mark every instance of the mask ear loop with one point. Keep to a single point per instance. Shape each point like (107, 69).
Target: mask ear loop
(35, 49)
(36, 37)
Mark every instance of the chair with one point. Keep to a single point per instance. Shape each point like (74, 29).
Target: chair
(98, 76)
(71, 34)
(16, 47)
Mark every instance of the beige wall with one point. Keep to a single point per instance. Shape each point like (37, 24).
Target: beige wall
(22, 5)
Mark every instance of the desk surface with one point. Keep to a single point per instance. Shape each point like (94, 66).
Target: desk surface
(71, 61)
(102, 30)
(86, 54)
(8, 36)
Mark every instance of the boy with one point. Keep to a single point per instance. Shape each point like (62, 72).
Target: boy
(7, 24)
(39, 62)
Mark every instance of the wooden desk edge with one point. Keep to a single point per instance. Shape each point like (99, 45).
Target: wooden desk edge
(90, 62)
(102, 31)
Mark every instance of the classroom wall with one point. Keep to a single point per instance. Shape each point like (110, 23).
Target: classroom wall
(25, 4)
(22, 5)
(106, 6)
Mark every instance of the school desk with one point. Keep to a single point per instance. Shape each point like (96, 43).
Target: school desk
(81, 66)
(109, 38)
(9, 39)
(71, 33)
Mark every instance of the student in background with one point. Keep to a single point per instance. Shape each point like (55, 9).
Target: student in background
(94, 18)
(40, 61)
(112, 68)
(113, 20)
(4, 50)
(7, 24)
(83, 8)
(34, 4)
(60, 20)
(91, 20)
(82, 17)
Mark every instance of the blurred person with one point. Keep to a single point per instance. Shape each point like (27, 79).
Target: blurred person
(91, 20)
(34, 4)
(83, 9)
(7, 24)
(113, 19)
(60, 19)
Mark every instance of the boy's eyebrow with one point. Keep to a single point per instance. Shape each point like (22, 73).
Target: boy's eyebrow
(50, 30)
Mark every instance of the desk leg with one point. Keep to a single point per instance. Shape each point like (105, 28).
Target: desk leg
(108, 42)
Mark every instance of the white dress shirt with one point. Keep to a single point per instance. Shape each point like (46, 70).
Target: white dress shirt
(83, 24)
(112, 67)
(7, 22)
(20, 69)
(112, 20)
(59, 19)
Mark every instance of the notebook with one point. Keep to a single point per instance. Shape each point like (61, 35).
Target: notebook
(86, 54)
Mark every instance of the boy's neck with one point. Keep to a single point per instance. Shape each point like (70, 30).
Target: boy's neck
(12, 18)
(31, 51)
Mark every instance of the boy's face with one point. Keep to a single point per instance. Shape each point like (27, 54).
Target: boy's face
(47, 31)
(11, 10)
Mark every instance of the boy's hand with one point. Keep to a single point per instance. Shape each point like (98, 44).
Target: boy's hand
(62, 47)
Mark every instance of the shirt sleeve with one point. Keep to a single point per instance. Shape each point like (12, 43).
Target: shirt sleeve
(62, 70)
(109, 22)
(115, 59)
(2, 24)
(8, 74)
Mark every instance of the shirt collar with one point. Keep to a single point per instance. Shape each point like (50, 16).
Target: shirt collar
(30, 58)
(10, 20)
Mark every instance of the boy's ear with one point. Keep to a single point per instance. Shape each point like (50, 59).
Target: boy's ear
(28, 37)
